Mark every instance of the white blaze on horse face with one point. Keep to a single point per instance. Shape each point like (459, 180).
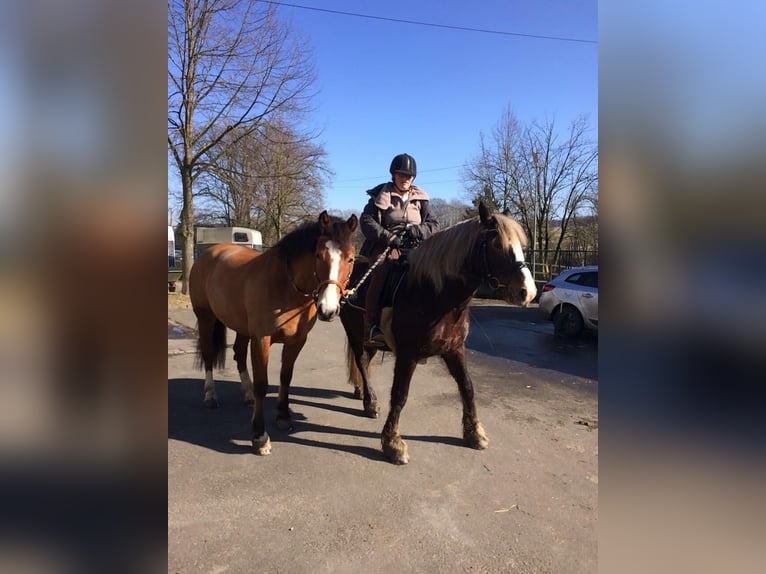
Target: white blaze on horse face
(529, 282)
(329, 301)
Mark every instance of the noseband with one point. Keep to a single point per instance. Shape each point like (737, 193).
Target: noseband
(488, 276)
(320, 284)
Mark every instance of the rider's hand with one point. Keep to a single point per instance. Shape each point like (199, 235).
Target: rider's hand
(398, 228)
(395, 242)
(414, 233)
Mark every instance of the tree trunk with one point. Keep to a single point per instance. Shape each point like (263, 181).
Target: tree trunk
(187, 227)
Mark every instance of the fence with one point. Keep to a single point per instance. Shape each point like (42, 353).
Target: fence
(545, 266)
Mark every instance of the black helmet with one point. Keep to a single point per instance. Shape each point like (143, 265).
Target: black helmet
(404, 163)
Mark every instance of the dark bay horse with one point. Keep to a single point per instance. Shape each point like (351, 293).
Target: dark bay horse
(266, 298)
(430, 315)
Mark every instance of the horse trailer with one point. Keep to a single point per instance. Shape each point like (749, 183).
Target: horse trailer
(171, 248)
(207, 236)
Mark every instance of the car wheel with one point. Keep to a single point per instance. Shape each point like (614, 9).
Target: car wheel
(568, 322)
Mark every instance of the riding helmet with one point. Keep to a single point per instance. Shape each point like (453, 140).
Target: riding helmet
(404, 163)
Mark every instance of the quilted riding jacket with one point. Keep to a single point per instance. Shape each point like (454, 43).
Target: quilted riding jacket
(386, 210)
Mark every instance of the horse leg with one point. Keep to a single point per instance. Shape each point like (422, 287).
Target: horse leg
(394, 448)
(212, 344)
(358, 359)
(369, 398)
(473, 431)
(290, 353)
(362, 387)
(240, 356)
(259, 352)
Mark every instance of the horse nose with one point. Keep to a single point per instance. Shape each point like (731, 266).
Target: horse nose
(325, 315)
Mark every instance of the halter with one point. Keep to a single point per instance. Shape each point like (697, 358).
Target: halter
(492, 281)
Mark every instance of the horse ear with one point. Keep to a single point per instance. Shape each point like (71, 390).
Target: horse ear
(352, 223)
(485, 216)
(324, 221)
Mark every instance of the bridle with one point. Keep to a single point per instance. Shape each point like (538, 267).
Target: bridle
(314, 295)
(492, 281)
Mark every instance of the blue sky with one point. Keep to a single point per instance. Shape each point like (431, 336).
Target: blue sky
(388, 87)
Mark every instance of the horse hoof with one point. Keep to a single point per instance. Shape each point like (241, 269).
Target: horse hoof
(477, 438)
(401, 460)
(372, 411)
(396, 454)
(284, 424)
(211, 403)
(262, 445)
(478, 443)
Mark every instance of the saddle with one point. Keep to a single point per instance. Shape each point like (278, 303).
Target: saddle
(396, 272)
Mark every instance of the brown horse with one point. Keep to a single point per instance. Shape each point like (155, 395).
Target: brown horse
(270, 297)
(430, 314)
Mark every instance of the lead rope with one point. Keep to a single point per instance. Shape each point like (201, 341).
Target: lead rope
(363, 278)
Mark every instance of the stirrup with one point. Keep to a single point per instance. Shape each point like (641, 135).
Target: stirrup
(376, 338)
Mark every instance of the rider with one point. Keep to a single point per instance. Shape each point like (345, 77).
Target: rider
(398, 215)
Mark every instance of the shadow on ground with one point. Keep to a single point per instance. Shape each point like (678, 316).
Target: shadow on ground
(227, 428)
(524, 335)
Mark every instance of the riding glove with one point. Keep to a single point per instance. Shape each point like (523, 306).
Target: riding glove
(394, 242)
(398, 228)
(414, 233)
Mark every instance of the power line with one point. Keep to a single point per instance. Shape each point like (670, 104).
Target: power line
(432, 25)
(422, 183)
(426, 183)
(379, 177)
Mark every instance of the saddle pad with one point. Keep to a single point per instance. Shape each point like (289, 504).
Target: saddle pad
(385, 325)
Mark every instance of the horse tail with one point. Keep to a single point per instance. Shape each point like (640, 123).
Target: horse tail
(217, 348)
(354, 375)
(219, 344)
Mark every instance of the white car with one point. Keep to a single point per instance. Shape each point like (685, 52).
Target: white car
(571, 301)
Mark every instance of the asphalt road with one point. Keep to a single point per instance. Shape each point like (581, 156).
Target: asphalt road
(327, 501)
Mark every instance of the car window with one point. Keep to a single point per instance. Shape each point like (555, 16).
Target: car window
(586, 279)
(575, 278)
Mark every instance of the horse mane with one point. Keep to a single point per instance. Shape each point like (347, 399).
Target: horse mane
(446, 252)
(303, 238)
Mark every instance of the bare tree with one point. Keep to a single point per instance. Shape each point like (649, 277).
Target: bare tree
(231, 66)
(565, 181)
(296, 171)
(449, 213)
(539, 176)
(270, 180)
(225, 190)
(493, 176)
